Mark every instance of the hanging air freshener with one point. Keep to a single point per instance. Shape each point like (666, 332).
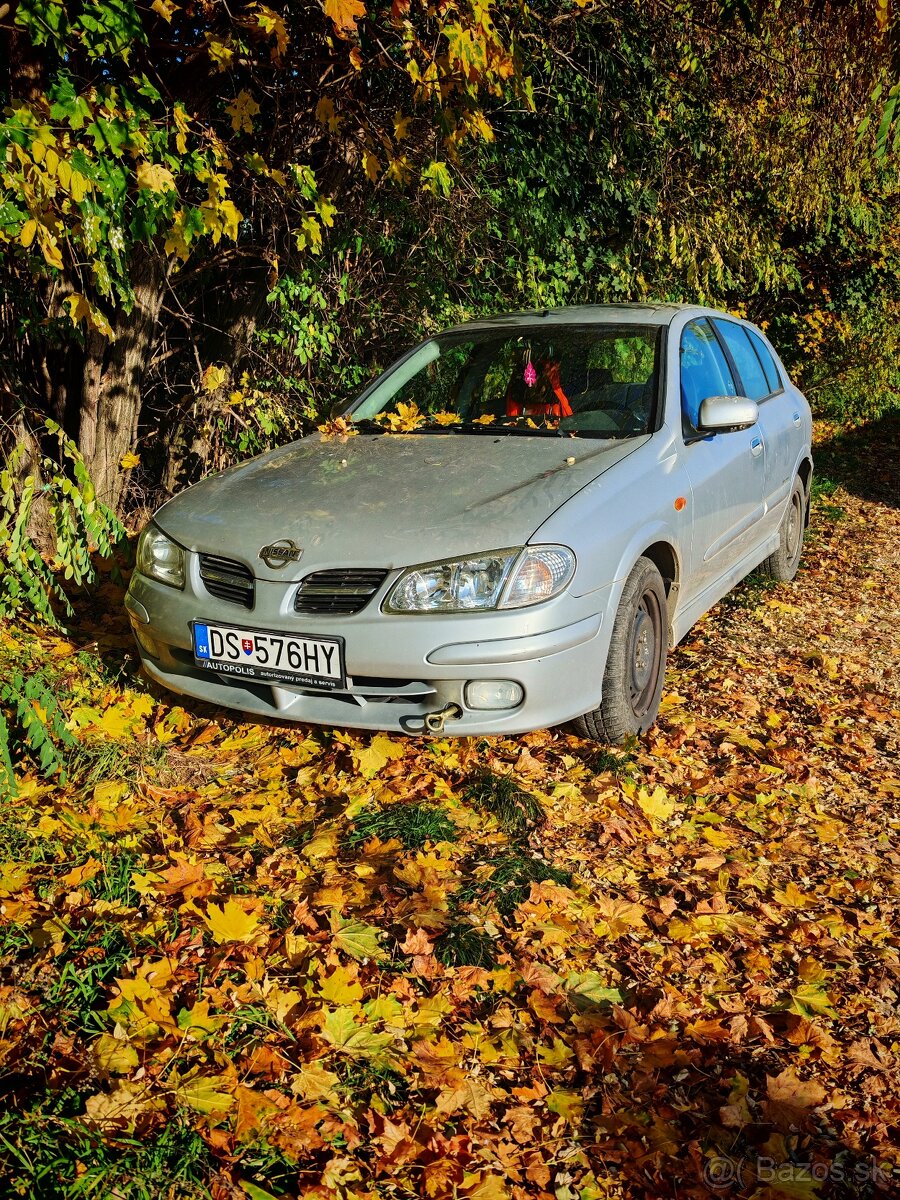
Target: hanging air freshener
(530, 374)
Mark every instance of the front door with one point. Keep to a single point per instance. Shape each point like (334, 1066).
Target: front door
(726, 470)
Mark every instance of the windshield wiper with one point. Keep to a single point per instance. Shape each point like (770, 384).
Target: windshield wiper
(506, 430)
(367, 425)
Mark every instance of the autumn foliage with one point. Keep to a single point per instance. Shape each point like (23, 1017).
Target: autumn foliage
(246, 960)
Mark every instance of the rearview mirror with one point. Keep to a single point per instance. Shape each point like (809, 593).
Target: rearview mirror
(720, 413)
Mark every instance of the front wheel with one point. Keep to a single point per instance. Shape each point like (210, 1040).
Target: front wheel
(636, 664)
(783, 564)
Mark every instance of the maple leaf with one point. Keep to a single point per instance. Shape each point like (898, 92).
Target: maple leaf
(356, 938)
(657, 805)
(213, 378)
(114, 1055)
(469, 1095)
(204, 1093)
(242, 109)
(341, 1028)
(125, 1107)
(379, 752)
(341, 987)
(791, 1098)
(231, 922)
(154, 177)
(345, 14)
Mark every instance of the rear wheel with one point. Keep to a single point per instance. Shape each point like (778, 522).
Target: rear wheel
(783, 564)
(636, 664)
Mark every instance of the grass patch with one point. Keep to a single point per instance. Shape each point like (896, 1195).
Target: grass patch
(98, 761)
(515, 809)
(363, 1081)
(47, 1153)
(411, 824)
(512, 876)
(462, 945)
(86, 967)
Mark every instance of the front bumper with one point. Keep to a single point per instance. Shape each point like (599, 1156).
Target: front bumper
(400, 667)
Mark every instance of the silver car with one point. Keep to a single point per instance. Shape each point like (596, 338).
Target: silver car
(506, 530)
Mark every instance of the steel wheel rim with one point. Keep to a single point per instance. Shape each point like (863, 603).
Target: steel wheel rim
(644, 641)
(794, 526)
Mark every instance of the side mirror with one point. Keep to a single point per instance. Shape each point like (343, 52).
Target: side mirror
(720, 413)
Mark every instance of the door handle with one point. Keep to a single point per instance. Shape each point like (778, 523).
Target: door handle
(756, 447)
(796, 418)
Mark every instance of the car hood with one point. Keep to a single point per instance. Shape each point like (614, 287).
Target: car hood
(386, 501)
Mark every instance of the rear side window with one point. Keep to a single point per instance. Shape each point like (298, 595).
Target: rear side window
(704, 372)
(768, 362)
(749, 367)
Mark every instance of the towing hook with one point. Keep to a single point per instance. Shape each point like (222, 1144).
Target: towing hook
(434, 722)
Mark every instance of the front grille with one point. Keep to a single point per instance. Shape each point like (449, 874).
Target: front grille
(341, 592)
(227, 579)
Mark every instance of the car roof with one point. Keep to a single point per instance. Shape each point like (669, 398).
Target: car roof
(586, 314)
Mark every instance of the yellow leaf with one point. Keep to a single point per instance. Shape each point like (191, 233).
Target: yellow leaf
(326, 115)
(401, 126)
(341, 987)
(658, 806)
(558, 1055)
(122, 1107)
(231, 923)
(242, 110)
(27, 233)
(197, 1023)
(370, 760)
(204, 1094)
(272, 22)
(49, 247)
(108, 795)
(79, 875)
(221, 53)
(113, 1055)
(345, 14)
(79, 186)
(165, 8)
(154, 177)
(371, 165)
(128, 461)
(566, 1104)
(81, 309)
(213, 378)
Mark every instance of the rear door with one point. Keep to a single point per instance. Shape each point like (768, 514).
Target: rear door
(780, 418)
(726, 470)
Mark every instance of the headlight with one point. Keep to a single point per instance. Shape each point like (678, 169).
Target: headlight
(499, 579)
(160, 558)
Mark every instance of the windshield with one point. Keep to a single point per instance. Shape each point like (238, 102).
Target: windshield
(590, 381)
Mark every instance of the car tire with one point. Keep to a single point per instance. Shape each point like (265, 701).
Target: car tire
(783, 564)
(636, 663)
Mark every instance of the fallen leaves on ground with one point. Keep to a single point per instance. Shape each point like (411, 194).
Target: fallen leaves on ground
(265, 960)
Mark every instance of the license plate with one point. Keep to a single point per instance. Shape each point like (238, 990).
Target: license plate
(274, 657)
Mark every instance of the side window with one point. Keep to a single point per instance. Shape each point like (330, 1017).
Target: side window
(753, 379)
(768, 362)
(704, 372)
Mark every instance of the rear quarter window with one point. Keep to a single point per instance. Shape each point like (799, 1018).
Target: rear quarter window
(755, 383)
(773, 378)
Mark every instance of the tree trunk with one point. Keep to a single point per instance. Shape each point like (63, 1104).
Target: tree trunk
(113, 377)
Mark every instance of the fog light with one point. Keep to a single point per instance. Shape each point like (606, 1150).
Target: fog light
(493, 693)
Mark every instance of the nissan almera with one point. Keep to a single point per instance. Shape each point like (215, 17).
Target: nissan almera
(507, 530)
